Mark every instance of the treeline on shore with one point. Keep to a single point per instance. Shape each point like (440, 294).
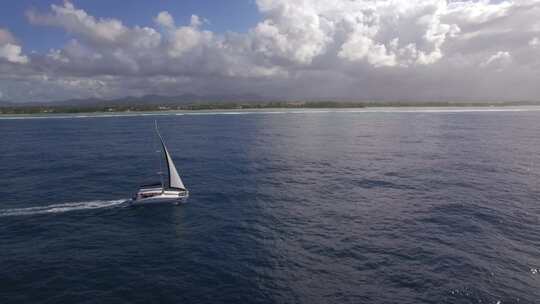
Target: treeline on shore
(33, 109)
(58, 109)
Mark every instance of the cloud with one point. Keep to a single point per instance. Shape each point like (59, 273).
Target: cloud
(165, 19)
(9, 49)
(77, 21)
(183, 39)
(534, 42)
(99, 34)
(312, 49)
(12, 53)
(500, 60)
(380, 33)
(395, 33)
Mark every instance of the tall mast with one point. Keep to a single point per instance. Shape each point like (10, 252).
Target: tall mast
(160, 159)
(173, 178)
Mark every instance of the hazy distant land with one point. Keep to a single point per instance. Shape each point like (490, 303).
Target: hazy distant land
(101, 107)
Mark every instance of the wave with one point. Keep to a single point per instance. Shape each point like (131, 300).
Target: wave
(287, 111)
(64, 207)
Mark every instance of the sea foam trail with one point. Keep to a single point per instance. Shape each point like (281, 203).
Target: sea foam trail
(64, 207)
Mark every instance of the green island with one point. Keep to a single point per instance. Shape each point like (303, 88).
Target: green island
(141, 107)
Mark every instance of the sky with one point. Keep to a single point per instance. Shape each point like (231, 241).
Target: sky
(354, 50)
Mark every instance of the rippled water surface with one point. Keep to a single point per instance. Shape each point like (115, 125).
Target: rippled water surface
(285, 207)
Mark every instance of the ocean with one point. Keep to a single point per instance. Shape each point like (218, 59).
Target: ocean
(286, 206)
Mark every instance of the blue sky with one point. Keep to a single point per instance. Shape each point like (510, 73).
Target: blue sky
(230, 15)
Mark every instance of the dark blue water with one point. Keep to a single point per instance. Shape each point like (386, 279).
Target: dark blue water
(363, 207)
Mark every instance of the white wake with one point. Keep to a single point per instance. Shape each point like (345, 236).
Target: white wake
(64, 207)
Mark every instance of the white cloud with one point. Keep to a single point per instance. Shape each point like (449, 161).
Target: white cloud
(165, 19)
(185, 38)
(78, 22)
(477, 12)
(100, 32)
(397, 33)
(359, 47)
(499, 60)
(12, 53)
(293, 31)
(9, 49)
(363, 49)
(195, 21)
(380, 33)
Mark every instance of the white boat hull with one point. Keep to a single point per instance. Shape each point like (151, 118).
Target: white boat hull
(157, 196)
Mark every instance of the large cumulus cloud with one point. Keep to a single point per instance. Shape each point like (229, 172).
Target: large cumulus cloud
(312, 49)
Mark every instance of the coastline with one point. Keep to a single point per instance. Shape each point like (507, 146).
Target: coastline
(279, 110)
(72, 109)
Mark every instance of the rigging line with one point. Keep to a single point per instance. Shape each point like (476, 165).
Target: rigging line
(160, 157)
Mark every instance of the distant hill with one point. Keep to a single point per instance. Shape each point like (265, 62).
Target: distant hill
(184, 99)
(216, 101)
(4, 103)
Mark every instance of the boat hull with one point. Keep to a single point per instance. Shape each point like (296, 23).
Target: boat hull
(158, 200)
(151, 197)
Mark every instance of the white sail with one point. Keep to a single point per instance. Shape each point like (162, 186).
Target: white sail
(174, 178)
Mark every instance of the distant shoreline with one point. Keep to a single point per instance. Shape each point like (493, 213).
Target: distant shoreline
(141, 108)
(385, 109)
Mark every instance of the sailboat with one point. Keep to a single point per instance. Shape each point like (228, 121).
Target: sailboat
(170, 190)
